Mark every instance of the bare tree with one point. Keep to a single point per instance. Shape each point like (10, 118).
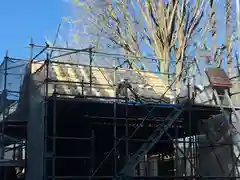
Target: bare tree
(165, 29)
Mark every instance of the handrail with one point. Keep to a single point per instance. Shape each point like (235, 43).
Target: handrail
(14, 105)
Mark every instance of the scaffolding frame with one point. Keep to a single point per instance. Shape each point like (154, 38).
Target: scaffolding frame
(192, 158)
(89, 84)
(12, 146)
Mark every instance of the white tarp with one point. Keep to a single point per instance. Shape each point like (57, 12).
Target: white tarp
(216, 156)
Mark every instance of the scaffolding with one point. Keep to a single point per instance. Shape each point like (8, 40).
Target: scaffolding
(73, 75)
(12, 134)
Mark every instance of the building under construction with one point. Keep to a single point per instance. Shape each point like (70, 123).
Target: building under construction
(76, 119)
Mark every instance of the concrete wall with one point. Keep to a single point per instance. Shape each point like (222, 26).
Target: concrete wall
(35, 130)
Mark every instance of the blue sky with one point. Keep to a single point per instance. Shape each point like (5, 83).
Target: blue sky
(39, 19)
(21, 20)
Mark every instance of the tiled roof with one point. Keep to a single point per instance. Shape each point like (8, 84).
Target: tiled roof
(146, 85)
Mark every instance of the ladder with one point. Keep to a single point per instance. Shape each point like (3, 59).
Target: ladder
(225, 96)
(221, 84)
(152, 140)
(235, 125)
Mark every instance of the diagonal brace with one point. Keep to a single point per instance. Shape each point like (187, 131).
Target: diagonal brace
(152, 140)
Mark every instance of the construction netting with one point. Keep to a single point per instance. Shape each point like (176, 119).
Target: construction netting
(12, 139)
(11, 77)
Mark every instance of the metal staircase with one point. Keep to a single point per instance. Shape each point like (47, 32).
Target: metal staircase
(220, 84)
(152, 140)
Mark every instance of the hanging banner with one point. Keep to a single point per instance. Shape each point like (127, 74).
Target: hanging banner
(204, 55)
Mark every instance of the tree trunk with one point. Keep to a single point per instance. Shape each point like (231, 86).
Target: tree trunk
(229, 61)
(213, 30)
